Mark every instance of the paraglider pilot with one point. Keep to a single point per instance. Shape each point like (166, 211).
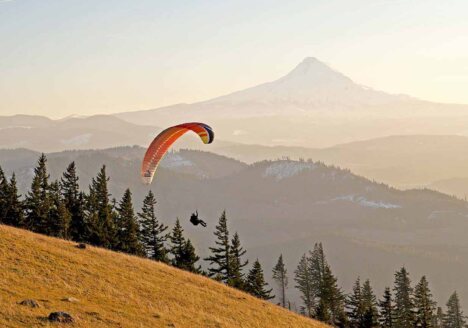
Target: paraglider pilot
(196, 220)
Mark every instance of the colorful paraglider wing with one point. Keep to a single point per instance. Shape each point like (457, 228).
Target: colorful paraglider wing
(163, 142)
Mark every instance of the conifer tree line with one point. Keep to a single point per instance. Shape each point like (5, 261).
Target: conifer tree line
(60, 209)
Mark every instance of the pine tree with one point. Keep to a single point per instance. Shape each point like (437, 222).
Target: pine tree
(4, 191)
(127, 239)
(304, 283)
(236, 250)
(386, 309)
(355, 305)
(424, 305)
(454, 317)
(404, 305)
(177, 249)
(317, 264)
(371, 313)
(74, 203)
(99, 212)
(93, 234)
(79, 226)
(281, 279)
(59, 216)
(13, 206)
(220, 260)
(332, 297)
(329, 297)
(256, 284)
(190, 258)
(183, 252)
(37, 202)
(152, 231)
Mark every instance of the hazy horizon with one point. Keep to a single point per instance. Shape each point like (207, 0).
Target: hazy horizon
(86, 58)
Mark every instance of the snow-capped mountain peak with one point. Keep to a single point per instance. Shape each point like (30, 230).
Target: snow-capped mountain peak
(312, 85)
(312, 72)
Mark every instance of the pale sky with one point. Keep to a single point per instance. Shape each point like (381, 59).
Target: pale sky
(64, 57)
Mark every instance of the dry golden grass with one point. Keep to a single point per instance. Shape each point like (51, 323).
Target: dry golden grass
(116, 290)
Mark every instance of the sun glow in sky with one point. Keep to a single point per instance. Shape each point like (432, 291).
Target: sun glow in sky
(84, 57)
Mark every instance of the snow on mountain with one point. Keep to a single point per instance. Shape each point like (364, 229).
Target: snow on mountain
(282, 170)
(173, 160)
(363, 201)
(311, 85)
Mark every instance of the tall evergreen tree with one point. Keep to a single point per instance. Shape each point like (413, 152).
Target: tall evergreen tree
(13, 206)
(74, 203)
(317, 263)
(454, 317)
(127, 238)
(4, 191)
(152, 234)
(332, 297)
(256, 284)
(304, 283)
(59, 216)
(99, 212)
(281, 279)
(386, 309)
(329, 297)
(182, 250)
(404, 305)
(355, 305)
(93, 234)
(177, 249)
(38, 202)
(236, 250)
(190, 258)
(371, 313)
(220, 258)
(424, 305)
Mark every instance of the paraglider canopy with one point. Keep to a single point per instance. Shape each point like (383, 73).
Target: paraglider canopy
(163, 141)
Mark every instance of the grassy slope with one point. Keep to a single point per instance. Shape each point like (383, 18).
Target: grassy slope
(116, 290)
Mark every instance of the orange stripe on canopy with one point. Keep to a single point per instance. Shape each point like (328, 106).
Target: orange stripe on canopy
(160, 145)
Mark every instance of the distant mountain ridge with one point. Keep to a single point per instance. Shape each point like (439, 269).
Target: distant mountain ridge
(24, 121)
(403, 161)
(43, 134)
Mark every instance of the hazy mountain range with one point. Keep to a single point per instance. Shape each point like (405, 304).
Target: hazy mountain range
(368, 229)
(43, 134)
(438, 162)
